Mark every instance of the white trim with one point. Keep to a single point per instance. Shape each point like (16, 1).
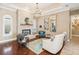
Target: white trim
(12, 7)
(5, 41)
(56, 10)
(75, 35)
(8, 8)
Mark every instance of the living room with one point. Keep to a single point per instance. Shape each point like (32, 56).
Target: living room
(39, 25)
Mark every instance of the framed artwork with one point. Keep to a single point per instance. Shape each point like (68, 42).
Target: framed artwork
(46, 23)
(53, 23)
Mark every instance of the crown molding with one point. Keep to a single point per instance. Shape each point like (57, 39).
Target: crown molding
(7, 8)
(55, 10)
(48, 12)
(12, 7)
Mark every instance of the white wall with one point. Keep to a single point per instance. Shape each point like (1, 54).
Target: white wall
(12, 13)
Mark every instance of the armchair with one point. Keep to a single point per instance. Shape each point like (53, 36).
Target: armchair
(41, 34)
(22, 40)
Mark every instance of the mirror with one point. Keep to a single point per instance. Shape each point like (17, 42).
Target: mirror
(7, 22)
(53, 23)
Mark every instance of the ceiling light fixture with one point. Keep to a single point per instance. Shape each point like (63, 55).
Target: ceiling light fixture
(37, 12)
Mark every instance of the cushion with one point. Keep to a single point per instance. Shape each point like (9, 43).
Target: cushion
(52, 38)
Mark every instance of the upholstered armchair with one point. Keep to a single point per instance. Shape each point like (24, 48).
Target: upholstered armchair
(41, 34)
(22, 40)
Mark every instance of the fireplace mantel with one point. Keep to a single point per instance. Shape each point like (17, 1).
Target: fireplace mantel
(22, 26)
(26, 24)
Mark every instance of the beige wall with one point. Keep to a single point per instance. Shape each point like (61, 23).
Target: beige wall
(63, 21)
(12, 13)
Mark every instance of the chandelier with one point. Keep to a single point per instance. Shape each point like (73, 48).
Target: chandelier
(37, 11)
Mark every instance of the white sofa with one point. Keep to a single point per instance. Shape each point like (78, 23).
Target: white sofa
(55, 45)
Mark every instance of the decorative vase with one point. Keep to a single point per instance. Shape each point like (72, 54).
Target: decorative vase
(26, 20)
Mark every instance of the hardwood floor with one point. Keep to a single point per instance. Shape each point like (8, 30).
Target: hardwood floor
(12, 48)
(71, 47)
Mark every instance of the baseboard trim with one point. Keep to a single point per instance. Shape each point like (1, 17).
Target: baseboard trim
(5, 41)
(76, 35)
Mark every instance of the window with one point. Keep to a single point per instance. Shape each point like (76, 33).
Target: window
(7, 25)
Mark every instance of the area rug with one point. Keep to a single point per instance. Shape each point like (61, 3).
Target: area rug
(35, 46)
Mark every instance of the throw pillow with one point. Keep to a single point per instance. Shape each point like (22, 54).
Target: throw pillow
(52, 38)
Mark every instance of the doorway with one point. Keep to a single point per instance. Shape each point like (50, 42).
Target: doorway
(75, 26)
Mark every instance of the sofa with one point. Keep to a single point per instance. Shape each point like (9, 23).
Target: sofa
(54, 44)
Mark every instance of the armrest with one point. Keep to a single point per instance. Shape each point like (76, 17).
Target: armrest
(53, 46)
